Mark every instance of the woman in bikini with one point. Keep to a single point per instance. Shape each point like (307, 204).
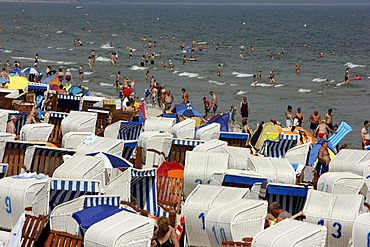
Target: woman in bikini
(165, 235)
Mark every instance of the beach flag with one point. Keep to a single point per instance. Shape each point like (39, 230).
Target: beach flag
(142, 111)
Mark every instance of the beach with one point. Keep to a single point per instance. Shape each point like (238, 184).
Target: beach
(298, 33)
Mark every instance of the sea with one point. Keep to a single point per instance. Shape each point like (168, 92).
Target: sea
(281, 36)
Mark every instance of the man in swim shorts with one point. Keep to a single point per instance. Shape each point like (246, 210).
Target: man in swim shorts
(322, 165)
(365, 137)
(314, 119)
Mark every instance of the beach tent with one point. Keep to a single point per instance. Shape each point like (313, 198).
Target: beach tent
(199, 202)
(199, 168)
(340, 183)
(291, 233)
(277, 170)
(350, 160)
(278, 149)
(17, 193)
(121, 229)
(222, 119)
(337, 212)
(236, 220)
(264, 132)
(61, 219)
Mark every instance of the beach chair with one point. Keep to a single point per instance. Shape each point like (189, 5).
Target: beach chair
(277, 170)
(61, 218)
(79, 121)
(278, 149)
(292, 198)
(159, 124)
(37, 88)
(235, 244)
(179, 148)
(340, 183)
(113, 104)
(67, 103)
(199, 168)
(235, 220)
(202, 200)
(63, 239)
(211, 146)
(36, 132)
(122, 116)
(32, 229)
(90, 101)
(360, 231)
(4, 118)
(184, 129)
(235, 139)
(347, 160)
(123, 130)
(291, 233)
(14, 155)
(3, 170)
(21, 121)
(44, 160)
(208, 132)
(122, 229)
(25, 106)
(102, 120)
(56, 118)
(337, 212)
(16, 194)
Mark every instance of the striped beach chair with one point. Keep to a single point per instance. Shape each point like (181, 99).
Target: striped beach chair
(37, 88)
(129, 130)
(66, 103)
(278, 149)
(3, 170)
(179, 148)
(89, 101)
(21, 121)
(56, 118)
(14, 155)
(102, 120)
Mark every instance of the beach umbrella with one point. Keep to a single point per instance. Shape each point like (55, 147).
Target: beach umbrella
(189, 112)
(74, 90)
(51, 80)
(31, 71)
(16, 71)
(112, 160)
(18, 82)
(171, 169)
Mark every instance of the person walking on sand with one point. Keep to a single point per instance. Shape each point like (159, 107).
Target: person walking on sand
(298, 116)
(314, 119)
(323, 157)
(185, 95)
(289, 117)
(207, 106)
(214, 102)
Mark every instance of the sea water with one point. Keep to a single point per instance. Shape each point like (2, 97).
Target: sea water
(301, 32)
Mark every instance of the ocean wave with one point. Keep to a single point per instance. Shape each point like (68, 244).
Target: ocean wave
(176, 71)
(106, 84)
(279, 85)
(7, 51)
(50, 47)
(302, 90)
(85, 81)
(340, 84)
(264, 85)
(352, 65)
(106, 46)
(240, 75)
(241, 92)
(88, 72)
(114, 35)
(44, 60)
(102, 59)
(188, 74)
(318, 80)
(135, 67)
(234, 85)
(60, 48)
(201, 77)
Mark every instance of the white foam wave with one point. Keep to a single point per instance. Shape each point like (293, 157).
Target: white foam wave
(88, 72)
(85, 81)
(302, 90)
(7, 51)
(60, 48)
(318, 80)
(201, 77)
(106, 84)
(70, 49)
(59, 31)
(264, 85)
(234, 85)
(176, 71)
(114, 35)
(279, 85)
(44, 60)
(106, 46)
(368, 78)
(50, 47)
(102, 59)
(352, 65)
(339, 84)
(188, 74)
(137, 68)
(241, 92)
(240, 75)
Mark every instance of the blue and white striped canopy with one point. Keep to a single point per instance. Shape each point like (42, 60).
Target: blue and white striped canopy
(112, 160)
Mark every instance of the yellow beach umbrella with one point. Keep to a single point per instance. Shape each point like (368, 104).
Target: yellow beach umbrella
(18, 82)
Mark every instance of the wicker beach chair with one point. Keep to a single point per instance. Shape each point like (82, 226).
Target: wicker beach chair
(348, 159)
(211, 146)
(235, 220)
(123, 130)
(199, 168)
(235, 139)
(208, 132)
(159, 124)
(278, 149)
(102, 120)
(337, 212)
(67, 103)
(184, 129)
(197, 205)
(79, 121)
(360, 231)
(89, 101)
(21, 121)
(36, 132)
(179, 148)
(3, 170)
(56, 118)
(340, 183)
(291, 233)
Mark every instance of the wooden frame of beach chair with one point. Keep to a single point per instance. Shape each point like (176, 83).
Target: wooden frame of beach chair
(14, 154)
(6, 103)
(57, 238)
(179, 148)
(102, 120)
(235, 139)
(30, 97)
(123, 115)
(32, 229)
(237, 244)
(56, 135)
(25, 106)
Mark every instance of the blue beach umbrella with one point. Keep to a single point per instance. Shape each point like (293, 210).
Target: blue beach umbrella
(16, 72)
(112, 160)
(190, 112)
(75, 90)
(3, 80)
(31, 71)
